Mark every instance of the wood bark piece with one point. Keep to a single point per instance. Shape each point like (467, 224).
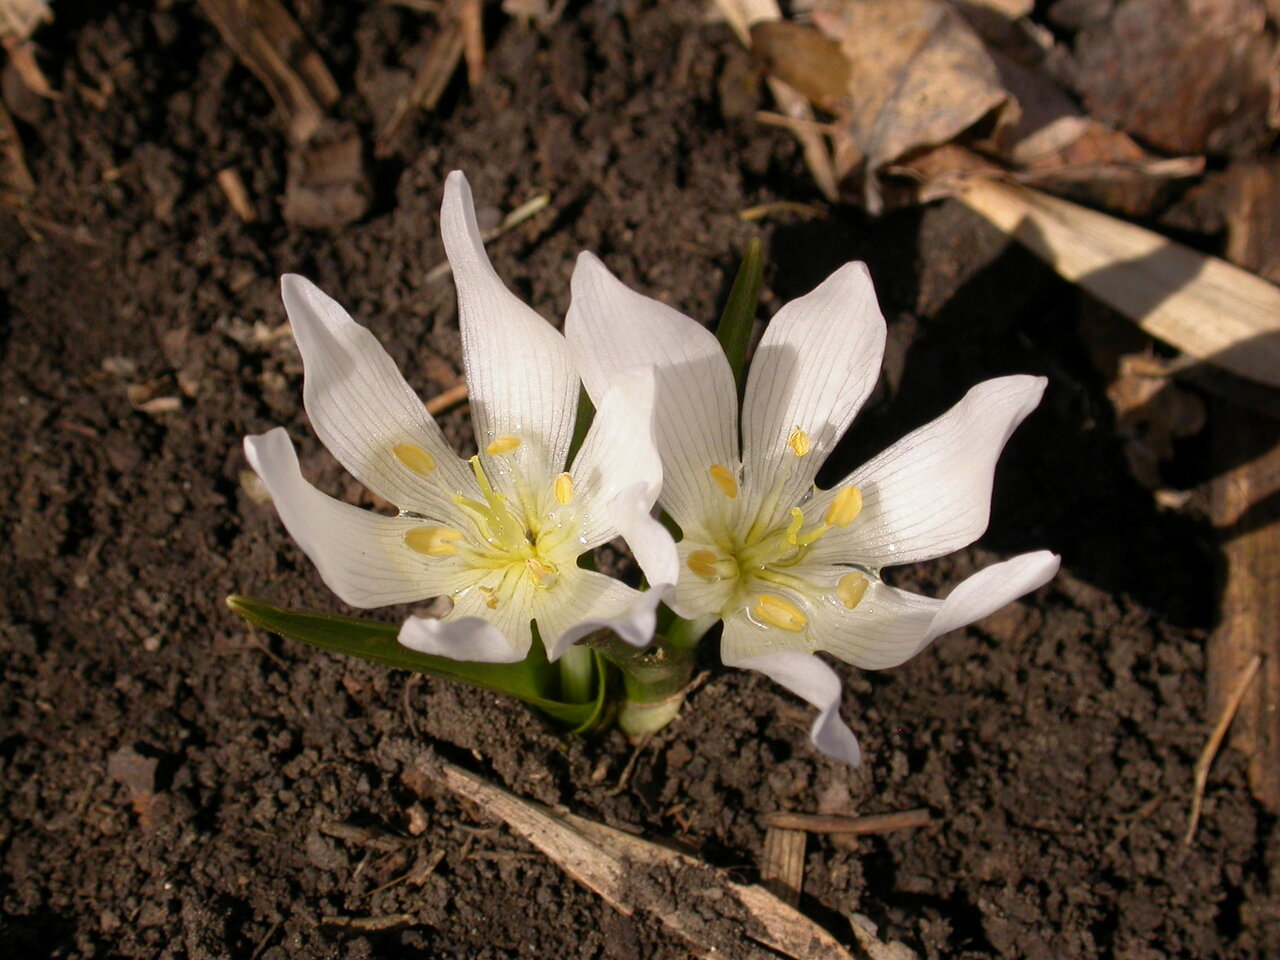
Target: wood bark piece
(782, 869)
(714, 915)
(1245, 508)
(271, 44)
(1204, 306)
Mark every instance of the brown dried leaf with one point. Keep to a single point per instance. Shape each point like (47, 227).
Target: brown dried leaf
(803, 58)
(919, 77)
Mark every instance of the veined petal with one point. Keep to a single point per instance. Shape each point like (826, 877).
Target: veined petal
(930, 493)
(617, 475)
(890, 626)
(361, 556)
(489, 622)
(816, 365)
(814, 681)
(361, 407)
(702, 596)
(585, 601)
(518, 369)
(611, 328)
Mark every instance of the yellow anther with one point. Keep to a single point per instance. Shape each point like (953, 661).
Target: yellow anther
(798, 442)
(845, 507)
(490, 597)
(542, 574)
(725, 480)
(850, 589)
(503, 445)
(415, 458)
(779, 612)
(703, 563)
(433, 541)
(563, 488)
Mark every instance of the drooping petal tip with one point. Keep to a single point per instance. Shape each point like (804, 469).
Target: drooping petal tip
(814, 681)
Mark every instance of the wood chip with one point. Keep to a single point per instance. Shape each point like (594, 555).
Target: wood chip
(1204, 306)
(782, 868)
(271, 44)
(233, 188)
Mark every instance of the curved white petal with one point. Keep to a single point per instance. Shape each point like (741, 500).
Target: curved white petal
(518, 369)
(816, 365)
(810, 679)
(361, 556)
(930, 493)
(890, 626)
(474, 630)
(361, 407)
(617, 475)
(612, 328)
(469, 639)
(588, 601)
(695, 596)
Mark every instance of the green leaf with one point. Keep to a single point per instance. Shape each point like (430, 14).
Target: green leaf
(376, 641)
(734, 330)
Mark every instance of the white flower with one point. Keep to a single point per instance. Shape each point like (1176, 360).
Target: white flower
(501, 533)
(791, 569)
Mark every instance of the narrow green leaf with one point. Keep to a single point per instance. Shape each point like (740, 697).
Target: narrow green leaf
(370, 640)
(734, 330)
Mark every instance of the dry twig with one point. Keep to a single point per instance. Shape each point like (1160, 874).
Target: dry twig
(637, 877)
(834, 823)
(1215, 741)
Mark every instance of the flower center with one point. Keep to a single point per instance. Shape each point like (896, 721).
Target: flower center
(762, 561)
(516, 538)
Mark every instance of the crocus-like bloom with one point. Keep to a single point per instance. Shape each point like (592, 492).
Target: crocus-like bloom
(500, 533)
(789, 568)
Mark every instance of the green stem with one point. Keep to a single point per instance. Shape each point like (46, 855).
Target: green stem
(577, 675)
(654, 681)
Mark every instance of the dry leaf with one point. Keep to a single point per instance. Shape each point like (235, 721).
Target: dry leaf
(919, 77)
(803, 58)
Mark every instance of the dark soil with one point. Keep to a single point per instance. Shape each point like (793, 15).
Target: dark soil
(171, 780)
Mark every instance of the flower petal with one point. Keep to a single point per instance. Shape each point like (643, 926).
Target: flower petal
(585, 601)
(518, 369)
(361, 556)
(810, 679)
(361, 407)
(617, 475)
(611, 328)
(890, 626)
(930, 493)
(816, 365)
(467, 638)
